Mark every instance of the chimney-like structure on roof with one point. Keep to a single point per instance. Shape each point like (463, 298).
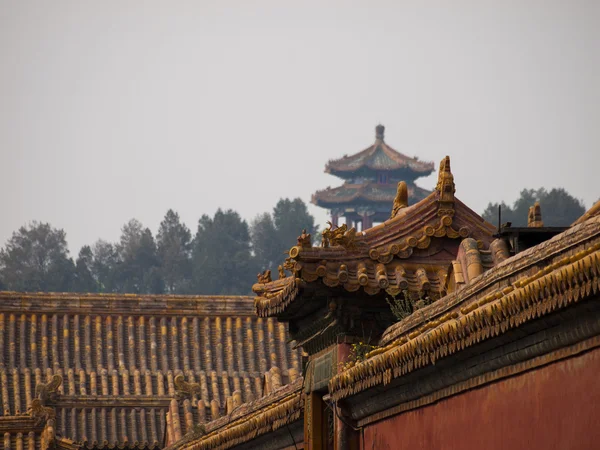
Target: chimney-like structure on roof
(370, 184)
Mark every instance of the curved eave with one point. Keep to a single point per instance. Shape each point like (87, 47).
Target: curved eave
(402, 173)
(367, 193)
(366, 159)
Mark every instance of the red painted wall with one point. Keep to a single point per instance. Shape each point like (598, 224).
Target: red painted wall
(553, 407)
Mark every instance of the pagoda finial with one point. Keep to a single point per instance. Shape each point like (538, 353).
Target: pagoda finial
(534, 219)
(379, 131)
(445, 185)
(401, 200)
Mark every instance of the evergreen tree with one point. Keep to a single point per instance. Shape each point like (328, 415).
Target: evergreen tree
(84, 280)
(273, 235)
(104, 267)
(222, 262)
(559, 208)
(290, 218)
(265, 242)
(36, 258)
(174, 253)
(138, 265)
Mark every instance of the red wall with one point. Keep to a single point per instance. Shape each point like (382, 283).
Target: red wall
(553, 407)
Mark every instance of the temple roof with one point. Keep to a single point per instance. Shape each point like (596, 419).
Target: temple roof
(117, 358)
(379, 157)
(592, 212)
(537, 282)
(251, 421)
(366, 192)
(410, 251)
(25, 432)
(560, 272)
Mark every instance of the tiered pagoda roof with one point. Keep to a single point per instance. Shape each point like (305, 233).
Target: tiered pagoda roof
(371, 177)
(379, 157)
(115, 362)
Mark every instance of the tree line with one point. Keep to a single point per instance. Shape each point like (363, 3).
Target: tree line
(223, 256)
(559, 208)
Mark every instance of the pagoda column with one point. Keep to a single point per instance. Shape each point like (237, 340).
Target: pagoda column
(366, 221)
(334, 220)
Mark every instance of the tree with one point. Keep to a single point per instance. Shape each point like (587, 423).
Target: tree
(265, 242)
(559, 208)
(222, 262)
(138, 265)
(36, 258)
(273, 234)
(290, 218)
(174, 253)
(84, 280)
(105, 266)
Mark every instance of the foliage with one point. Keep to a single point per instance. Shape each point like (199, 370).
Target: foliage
(273, 234)
(36, 258)
(138, 264)
(401, 306)
(267, 252)
(105, 266)
(559, 208)
(174, 243)
(84, 281)
(290, 218)
(221, 256)
(404, 305)
(359, 352)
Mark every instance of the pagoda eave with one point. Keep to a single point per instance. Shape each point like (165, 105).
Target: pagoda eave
(364, 195)
(406, 173)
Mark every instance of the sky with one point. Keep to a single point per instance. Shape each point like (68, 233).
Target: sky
(115, 110)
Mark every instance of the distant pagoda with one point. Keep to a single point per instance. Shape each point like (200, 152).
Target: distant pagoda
(370, 183)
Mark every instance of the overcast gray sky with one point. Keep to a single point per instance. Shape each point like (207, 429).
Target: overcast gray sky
(111, 110)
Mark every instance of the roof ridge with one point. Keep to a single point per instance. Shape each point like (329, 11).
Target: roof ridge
(116, 296)
(211, 305)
